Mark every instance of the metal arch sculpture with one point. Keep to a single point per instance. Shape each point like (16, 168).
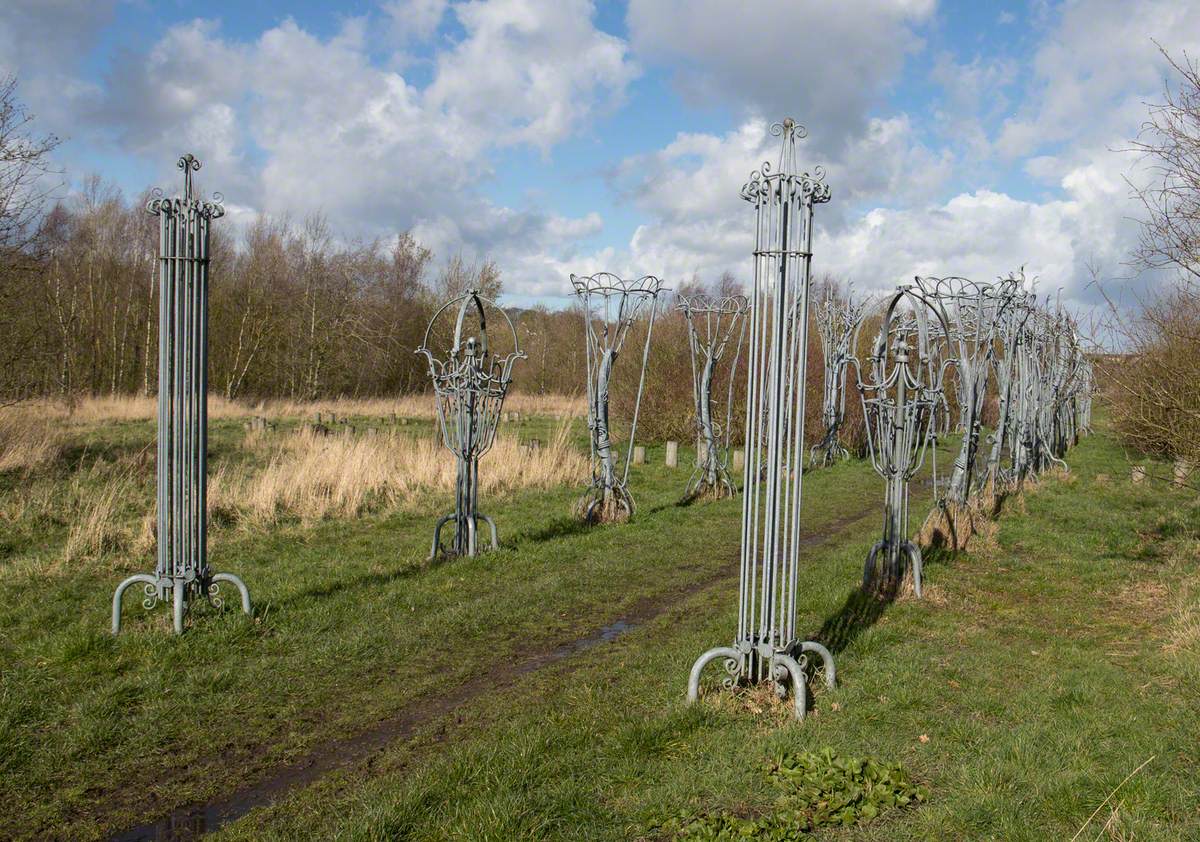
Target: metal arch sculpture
(766, 647)
(837, 326)
(712, 325)
(470, 385)
(974, 311)
(611, 305)
(900, 400)
(1010, 335)
(182, 571)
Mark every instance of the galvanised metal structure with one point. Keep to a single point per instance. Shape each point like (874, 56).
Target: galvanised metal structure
(767, 647)
(901, 390)
(838, 322)
(182, 571)
(974, 311)
(1044, 382)
(470, 384)
(713, 323)
(1010, 334)
(611, 306)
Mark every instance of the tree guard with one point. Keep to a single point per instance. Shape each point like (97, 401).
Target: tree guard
(611, 305)
(767, 647)
(470, 385)
(182, 570)
(712, 325)
(901, 394)
(838, 322)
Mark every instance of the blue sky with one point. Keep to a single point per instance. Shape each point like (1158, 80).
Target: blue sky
(559, 136)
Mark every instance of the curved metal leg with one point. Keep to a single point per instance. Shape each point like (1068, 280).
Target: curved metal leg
(827, 660)
(437, 536)
(120, 593)
(869, 567)
(703, 661)
(914, 555)
(240, 585)
(492, 524)
(781, 663)
(180, 605)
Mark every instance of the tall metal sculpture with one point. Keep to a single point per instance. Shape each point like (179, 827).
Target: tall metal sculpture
(766, 647)
(974, 312)
(182, 571)
(470, 385)
(1010, 335)
(837, 326)
(611, 306)
(712, 325)
(901, 393)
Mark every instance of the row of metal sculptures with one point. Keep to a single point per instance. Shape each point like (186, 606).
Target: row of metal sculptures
(997, 339)
(924, 330)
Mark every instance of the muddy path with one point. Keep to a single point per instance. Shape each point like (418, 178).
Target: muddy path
(197, 819)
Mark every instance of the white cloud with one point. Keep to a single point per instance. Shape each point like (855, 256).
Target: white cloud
(823, 64)
(1095, 70)
(296, 123)
(530, 72)
(414, 20)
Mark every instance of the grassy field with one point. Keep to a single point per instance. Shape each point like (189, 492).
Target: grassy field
(537, 692)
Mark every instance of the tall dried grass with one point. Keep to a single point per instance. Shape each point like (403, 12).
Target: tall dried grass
(110, 408)
(313, 477)
(27, 440)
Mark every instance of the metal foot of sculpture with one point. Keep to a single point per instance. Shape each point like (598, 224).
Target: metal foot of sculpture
(181, 593)
(885, 569)
(473, 531)
(788, 671)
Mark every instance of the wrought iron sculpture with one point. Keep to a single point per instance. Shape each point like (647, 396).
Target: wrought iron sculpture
(838, 322)
(1044, 383)
(901, 394)
(712, 325)
(611, 306)
(470, 385)
(974, 312)
(767, 647)
(182, 571)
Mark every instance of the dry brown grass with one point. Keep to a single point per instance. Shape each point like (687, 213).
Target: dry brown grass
(313, 477)
(107, 409)
(28, 440)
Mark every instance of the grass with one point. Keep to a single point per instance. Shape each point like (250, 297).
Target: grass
(1043, 667)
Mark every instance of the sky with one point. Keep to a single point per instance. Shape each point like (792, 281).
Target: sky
(569, 136)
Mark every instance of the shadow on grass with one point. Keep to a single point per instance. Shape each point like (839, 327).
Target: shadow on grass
(864, 606)
(561, 527)
(367, 580)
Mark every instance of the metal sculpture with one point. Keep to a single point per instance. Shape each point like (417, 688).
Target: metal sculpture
(712, 325)
(1010, 334)
(837, 325)
(611, 306)
(974, 312)
(767, 647)
(470, 385)
(901, 395)
(182, 571)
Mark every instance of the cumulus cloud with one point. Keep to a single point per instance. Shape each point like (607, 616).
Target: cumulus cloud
(297, 123)
(530, 72)
(825, 66)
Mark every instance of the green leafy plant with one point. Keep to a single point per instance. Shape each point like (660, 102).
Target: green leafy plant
(819, 789)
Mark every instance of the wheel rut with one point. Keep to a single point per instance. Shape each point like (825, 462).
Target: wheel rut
(198, 819)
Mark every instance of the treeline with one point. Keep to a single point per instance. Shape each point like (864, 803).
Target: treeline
(294, 311)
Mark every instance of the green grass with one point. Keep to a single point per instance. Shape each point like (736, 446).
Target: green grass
(1040, 671)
